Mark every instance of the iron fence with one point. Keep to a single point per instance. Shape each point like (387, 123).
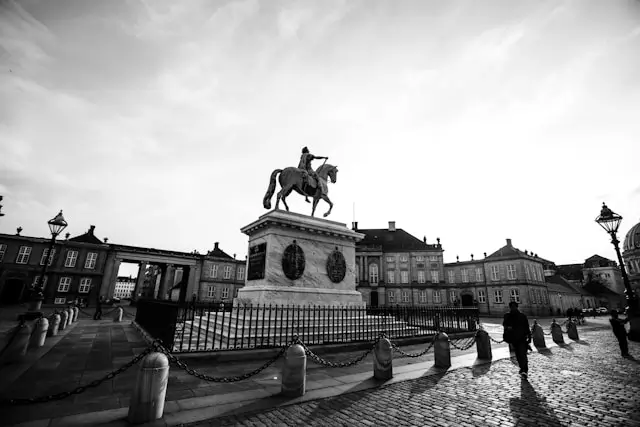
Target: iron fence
(217, 326)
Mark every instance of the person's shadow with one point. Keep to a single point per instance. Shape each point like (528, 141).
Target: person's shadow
(531, 404)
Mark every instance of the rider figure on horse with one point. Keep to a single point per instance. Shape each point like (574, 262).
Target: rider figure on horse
(305, 165)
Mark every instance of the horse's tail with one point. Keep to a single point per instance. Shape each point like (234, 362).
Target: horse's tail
(266, 202)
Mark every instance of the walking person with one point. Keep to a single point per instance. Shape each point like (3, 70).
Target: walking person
(518, 333)
(98, 313)
(620, 332)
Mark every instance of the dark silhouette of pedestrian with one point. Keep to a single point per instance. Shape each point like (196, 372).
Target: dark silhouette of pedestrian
(98, 313)
(518, 333)
(620, 332)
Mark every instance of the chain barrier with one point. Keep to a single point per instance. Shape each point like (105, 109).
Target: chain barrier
(467, 346)
(414, 355)
(320, 361)
(16, 329)
(80, 389)
(182, 365)
(495, 340)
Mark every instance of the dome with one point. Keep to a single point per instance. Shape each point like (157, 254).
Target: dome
(632, 241)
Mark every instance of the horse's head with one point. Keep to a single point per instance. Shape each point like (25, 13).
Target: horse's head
(327, 171)
(333, 174)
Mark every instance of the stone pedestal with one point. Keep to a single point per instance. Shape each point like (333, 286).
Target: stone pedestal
(300, 260)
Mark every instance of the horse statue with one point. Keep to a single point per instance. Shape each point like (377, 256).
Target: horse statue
(303, 183)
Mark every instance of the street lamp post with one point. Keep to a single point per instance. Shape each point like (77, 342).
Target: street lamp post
(56, 225)
(610, 221)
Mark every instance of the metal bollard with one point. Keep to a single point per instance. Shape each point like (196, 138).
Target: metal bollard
(442, 351)
(294, 372)
(147, 401)
(483, 344)
(76, 310)
(572, 331)
(69, 315)
(39, 334)
(63, 320)
(54, 324)
(538, 335)
(556, 333)
(18, 343)
(117, 317)
(383, 360)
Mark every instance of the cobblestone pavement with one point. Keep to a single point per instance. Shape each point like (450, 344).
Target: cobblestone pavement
(584, 383)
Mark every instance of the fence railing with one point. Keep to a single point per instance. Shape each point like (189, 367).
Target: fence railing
(201, 326)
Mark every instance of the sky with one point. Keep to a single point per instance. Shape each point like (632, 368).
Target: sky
(160, 122)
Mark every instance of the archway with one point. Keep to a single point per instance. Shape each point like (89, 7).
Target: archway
(467, 300)
(374, 298)
(12, 292)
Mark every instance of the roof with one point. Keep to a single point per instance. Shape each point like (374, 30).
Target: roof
(557, 283)
(598, 261)
(87, 237)
(570, 271)
(632, 239)
(509, 251)
(394, 241)
(219, 253)
(599, 289)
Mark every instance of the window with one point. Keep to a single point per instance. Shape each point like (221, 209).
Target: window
(511, 272)
(3, 249)
(433, 258)
(391, 259)
(65, 283)
(240, 273)
(35, 281)
(60, 300)
(391, 276)
(403, 258)
(434, 276)
(421, 278)
(211, 292)
(405, 296)
(23, 255)
(72, 257)
(227, 272)
(436, 297)
(497, 296)
(482, 297)
(515, 295)
(452, 296)
(225, 293)
(494, 272)
(391, 296)
(452, 276)
(213, 270)
(527, 273)
(91, 260)
(419, 258)
(45, 255)
(373, 273)
(478, 275)
(423, 297)
(85, 285)
(465, 275)
(404, 276)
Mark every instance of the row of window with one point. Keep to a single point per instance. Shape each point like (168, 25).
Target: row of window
(224, 294)
(65, 283)
(404, 276)
(24, 253)
(537, 296)
(212, 272)
(405, 258)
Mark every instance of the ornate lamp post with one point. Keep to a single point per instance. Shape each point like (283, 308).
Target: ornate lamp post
(56, 225)
(610, 221)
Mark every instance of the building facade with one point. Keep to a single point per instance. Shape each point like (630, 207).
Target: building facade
(631, 257)
(221, 276)
(74, 271)
(606, 270)
(124, 287)
(394, 267)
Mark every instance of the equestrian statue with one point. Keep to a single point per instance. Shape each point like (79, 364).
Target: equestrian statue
(303, 180)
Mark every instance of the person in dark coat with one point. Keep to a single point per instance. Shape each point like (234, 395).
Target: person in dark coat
(98, 313)
(620, 332)
(518, 333)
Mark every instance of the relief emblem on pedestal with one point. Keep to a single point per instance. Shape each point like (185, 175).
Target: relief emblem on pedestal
(336, 266)
(293, 261)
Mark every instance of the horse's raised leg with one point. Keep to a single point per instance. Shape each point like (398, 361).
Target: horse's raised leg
(326, 199)
(315, 203)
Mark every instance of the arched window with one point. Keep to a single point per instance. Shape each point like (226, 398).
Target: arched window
(373, 273)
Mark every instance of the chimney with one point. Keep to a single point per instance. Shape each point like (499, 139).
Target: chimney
(438, 240)
(526, 252)
(354, 225)
(106, 239)
(509, 242)
(215, 246)
(424, 239)
(457, 258)
(392, 226)
(485, 254)
(66, 236)
(234, 256)
(471, 257)
(18, 231)
(92, 229)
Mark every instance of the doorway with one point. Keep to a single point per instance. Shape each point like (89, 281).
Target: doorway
(374, 298)
(12, 291)
(467, 300)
